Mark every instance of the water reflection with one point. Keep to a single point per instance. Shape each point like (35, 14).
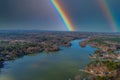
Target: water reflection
(61, 65)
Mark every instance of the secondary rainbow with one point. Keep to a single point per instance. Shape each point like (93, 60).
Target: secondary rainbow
(108, 14)
(63, 15)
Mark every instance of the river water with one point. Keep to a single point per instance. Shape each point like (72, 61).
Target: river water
(61, 65)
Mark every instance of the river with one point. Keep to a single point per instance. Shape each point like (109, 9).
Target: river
(61, 65)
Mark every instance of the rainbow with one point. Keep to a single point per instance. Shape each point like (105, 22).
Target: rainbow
(63, 15)
(108, 14)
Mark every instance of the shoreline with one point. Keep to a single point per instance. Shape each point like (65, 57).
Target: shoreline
(106, 62)
(43, 50)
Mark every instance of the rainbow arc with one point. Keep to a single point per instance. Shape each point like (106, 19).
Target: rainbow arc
(66, 20)
(108, 14)
(63, 15)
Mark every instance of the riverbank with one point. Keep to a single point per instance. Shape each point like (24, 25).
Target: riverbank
(60, 56)
(17, 45)
(106, 64)
(61, 65)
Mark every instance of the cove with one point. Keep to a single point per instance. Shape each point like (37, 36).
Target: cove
(61, 65)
